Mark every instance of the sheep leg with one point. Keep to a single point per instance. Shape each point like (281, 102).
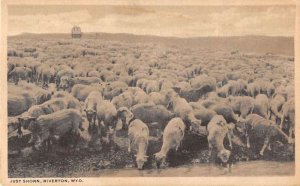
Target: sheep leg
(80, 126)
(248, 141)
(180, 146)
(291, 130)
(281, 122)
(94, 118)
(37, 143)
(229, 140)
(129, 145)
(20, 132)
(269, 147)
(266, 143)
(48, 144)
(209, 149)
(76, 138)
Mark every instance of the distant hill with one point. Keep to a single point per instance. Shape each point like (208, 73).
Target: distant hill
(250, 44)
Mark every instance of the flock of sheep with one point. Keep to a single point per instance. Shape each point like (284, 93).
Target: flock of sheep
(148, 90)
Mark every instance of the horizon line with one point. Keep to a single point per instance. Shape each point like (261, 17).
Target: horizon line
(120, 33)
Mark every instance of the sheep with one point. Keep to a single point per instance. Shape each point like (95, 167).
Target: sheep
(172, 138)
(109, 115)
(255, 126)
(242, 105)
(123, 100)
(288, 112)
(218, 129)
(262, 106)
(90, 106)
(138, 135)
(276, 104)
(183, 110)
(47, 127)
(152, 86)
(203, 80)
(81, 92)
(23, 73)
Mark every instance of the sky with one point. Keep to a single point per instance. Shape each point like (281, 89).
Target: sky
(178, 21)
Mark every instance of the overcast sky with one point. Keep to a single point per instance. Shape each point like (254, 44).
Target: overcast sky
(187, 21)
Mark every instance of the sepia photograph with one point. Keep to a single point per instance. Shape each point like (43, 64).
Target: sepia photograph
(135, 90)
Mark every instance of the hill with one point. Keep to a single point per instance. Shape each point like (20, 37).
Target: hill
(249, 44)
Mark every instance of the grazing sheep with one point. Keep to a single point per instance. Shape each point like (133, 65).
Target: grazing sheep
(39, 94)
(183, 86)
(57, 124)
(267, 88)
(93, 73)
(203, 80)
(226, 111)
(139, 96)
(223, 91)
(242, 105)
(276, 104)
(138, 135)
(46, 74)
(123, 100)
(81, 92)
(288, 112)
(259, 128)
(83, 81)
(53, 105)
(114, 89)
(152, 86)
(183, 110)
(194, 94)
(23, 73)
(64, 73)
(109, 115)
(19, 103)
(217, 130)
(202, 113)
(172, 139)
(252, 89)
(262, 106)
(150, 114)
(158, 98)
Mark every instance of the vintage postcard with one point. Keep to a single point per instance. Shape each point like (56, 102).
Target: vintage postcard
(149, 93)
